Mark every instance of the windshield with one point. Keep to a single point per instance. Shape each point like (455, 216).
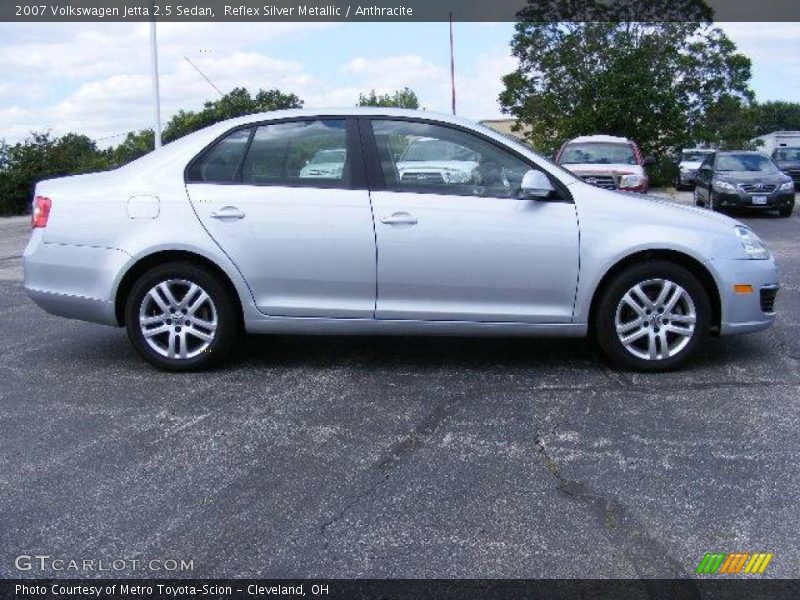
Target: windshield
(745, 162)
(694, 156)
(598, 153)
(787, 154)
(328, 156)
(437, 150)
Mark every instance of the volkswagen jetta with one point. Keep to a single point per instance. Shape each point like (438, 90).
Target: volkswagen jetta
(222, 232)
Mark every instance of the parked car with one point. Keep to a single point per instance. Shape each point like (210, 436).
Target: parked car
(217, 234)
(428, 160)
(690, 161)
(743, 180)
(325, 164)
(788, 161)
(609, 162)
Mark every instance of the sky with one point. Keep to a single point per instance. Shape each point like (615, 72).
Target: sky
(94, 78)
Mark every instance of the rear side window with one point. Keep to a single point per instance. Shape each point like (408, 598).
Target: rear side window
(298, 153)
(220, 163)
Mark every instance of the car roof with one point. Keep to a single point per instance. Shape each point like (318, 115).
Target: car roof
(348, 112)
(740, 152)
(612, 139)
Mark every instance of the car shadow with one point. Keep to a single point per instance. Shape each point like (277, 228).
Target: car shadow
(420, 352)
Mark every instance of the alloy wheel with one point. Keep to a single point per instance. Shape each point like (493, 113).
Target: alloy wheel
(178, 319)
(655, 319)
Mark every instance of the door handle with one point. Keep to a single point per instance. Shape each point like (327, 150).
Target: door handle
(399, 218)
(227, 212)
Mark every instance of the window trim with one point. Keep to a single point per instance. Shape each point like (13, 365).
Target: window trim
(356, 171)
(377, 181)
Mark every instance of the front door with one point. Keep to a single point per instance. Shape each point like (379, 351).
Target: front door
(455, 240)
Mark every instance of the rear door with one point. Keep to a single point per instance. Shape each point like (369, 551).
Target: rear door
(287, 202)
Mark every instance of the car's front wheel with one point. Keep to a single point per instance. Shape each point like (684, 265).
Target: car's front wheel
(179, 317)
(697, 200)
(652, 316)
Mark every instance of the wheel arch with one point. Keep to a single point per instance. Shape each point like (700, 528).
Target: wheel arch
(156, 258)
(691, 264)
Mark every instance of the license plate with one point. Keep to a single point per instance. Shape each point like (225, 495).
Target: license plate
(759, 199)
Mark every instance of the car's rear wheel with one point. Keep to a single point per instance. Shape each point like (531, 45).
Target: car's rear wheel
(652, 316)
(179, 317)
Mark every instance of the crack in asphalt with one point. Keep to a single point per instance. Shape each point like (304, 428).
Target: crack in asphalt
(647, 555)
(378, 472)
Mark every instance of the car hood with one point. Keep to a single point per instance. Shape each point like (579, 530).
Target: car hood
(647, 209)
(582, 169)
(437, 165)
(323, 166)
(788, 164)
(751, 176)
(690, 165)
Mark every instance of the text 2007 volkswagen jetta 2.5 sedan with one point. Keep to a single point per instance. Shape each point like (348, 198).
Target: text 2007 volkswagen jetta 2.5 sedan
(322, 222)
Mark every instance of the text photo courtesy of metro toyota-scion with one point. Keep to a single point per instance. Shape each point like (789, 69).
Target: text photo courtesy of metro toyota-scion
(383, 300)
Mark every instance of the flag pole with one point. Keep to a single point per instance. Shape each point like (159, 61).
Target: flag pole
(452, 67)
(156, 94)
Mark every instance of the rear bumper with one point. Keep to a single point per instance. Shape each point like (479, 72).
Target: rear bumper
(743, 313)
(77, 282)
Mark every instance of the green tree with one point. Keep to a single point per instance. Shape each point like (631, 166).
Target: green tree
(238, 102)
(136, 144)
(777, 116)
(42, 156)
(653, 79)
(405, 98)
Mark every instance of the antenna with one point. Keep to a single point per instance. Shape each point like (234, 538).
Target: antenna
(203, 75)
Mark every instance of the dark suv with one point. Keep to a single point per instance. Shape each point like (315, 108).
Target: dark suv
(743, 180)
(788, 161)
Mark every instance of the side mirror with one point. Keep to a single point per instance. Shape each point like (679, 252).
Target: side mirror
(535, 184)
(648, 161)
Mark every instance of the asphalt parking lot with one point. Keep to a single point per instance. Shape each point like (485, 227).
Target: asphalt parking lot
(397, 457)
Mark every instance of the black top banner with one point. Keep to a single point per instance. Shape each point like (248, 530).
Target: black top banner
(398, 10)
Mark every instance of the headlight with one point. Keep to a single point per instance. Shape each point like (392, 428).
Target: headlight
(631, 181)
(723, 186)
(788, 186)
(751, 243)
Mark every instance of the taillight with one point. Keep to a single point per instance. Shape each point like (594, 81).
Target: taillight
(41, 210)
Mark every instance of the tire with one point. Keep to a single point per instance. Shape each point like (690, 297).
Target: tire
(712, 206)
(786, 211)
(697, 201)
(197, 318)
(691, 312)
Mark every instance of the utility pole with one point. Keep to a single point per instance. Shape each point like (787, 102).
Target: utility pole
(452, 67)
(156, 94)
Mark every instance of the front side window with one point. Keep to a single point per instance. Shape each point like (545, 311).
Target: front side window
(219, 164)
(430, 158)
(298, 153)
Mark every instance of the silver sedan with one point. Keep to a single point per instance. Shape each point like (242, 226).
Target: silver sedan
(222, 232)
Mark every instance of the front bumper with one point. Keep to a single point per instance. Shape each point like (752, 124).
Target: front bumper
(77, 282)
(687, 178)
(746, 313)
(741, 199)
